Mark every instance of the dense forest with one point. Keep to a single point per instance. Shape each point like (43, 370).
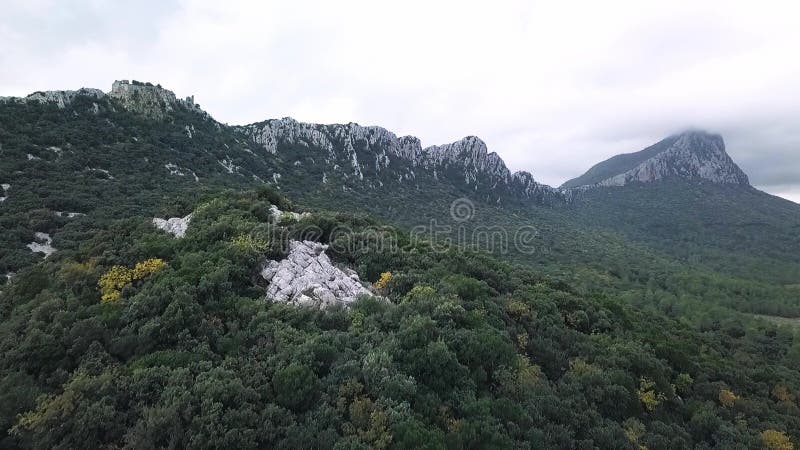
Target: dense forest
(652, 317)
(454, 350)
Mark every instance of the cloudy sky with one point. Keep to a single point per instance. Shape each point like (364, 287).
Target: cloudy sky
(553, 87)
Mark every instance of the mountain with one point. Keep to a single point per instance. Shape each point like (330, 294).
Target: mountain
(154, 267)
(70, 159)
(350, 155)
(693, 155)
(376, 157)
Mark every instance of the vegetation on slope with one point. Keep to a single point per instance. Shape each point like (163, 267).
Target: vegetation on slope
(464, 352)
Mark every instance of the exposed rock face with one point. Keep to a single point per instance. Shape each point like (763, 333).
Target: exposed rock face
(278, 215)
(693, 155)
(359, 148)
(5, 188)
(60, 98)
(143, 98)
(146, 99)
(42, 244)
(176, 226)
(306, 277)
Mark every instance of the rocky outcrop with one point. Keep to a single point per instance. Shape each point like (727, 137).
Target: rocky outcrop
(176, 226)
(5, 187)
(306, 277)
(148, 99)
(42, 244)
(278, 215)
(60, 98)
(143, 98)
(693, 155)
(69, 215)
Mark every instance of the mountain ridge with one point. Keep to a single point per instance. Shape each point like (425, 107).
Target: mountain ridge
(469, 155)
(353, 149)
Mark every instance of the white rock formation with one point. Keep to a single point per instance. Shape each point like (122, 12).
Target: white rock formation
(177, 226)
(278, 215)
(70, 215)
(42, 247)
(306, 277)
(103, 171)
(174, 169)
(228, 165)
(5, 187)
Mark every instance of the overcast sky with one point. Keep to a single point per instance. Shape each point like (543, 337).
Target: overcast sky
(553, 87)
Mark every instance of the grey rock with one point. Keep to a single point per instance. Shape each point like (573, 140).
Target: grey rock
(42, 244)
(176, 226)
(60, 98)
(148, 100)
(306, 277)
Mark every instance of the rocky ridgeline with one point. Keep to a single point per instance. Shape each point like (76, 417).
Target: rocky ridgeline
(61, 98)
(468, 157)
(372, 155)
(143, 98)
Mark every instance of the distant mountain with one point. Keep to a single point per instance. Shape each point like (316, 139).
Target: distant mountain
(693, 155)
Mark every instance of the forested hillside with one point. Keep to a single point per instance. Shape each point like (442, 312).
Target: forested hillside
(684, 248)
(626, 320)
(455, 350)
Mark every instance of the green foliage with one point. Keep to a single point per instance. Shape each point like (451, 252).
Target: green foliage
(465, 351)
(619, 330)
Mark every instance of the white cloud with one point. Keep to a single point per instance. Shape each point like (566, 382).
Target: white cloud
(553, 87)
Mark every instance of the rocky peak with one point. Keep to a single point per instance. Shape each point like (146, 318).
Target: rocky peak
(692, 155)
(471, 155)
(148, 99)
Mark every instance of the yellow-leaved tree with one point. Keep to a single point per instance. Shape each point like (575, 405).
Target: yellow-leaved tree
(648, 395)
(776, 440)
(384, 280)
(117, 278)
(727, 398)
